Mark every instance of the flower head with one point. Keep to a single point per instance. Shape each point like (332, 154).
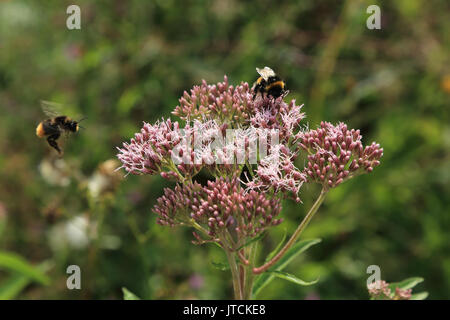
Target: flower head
(277, 172)
(162, 149)
(402, 294)
(219, 205)
(146, 152)
(174, 206)
(381, 290)
(275, 114)
(336, 154)
(220, 101)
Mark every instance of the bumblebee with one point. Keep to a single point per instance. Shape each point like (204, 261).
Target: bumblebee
(268, 84)
(53, 128)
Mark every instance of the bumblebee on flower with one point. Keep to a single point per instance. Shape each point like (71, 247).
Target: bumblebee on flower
(268, 84)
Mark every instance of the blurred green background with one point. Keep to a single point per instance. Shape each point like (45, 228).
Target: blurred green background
(131, 61)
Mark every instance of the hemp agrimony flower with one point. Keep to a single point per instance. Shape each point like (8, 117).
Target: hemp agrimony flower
(219, 205)
(380, 290)
(248, 147)
(149, 151)
(336, 154)
(221, 101)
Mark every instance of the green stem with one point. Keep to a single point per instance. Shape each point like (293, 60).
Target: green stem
(198, 227)
(296, 234)
(235, 274)
(249, 276)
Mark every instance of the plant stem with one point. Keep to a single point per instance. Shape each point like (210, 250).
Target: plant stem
(249, 276)
(242, 258)
(198, 227)
(235, 274)
(296, 234)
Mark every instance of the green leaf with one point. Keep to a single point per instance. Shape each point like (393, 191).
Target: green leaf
(14, 262)
(406, 284)
(264, 279)
(128, 295)
(10, 288)
(220, 266)
(275, 251)
(292, 278)
(252, 240)
(419, 296)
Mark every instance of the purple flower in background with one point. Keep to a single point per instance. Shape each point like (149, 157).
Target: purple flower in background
(312, 296)
(196, 282)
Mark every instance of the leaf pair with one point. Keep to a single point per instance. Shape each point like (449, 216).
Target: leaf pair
(276, 271)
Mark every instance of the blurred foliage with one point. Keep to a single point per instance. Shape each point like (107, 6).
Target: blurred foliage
(131, 62)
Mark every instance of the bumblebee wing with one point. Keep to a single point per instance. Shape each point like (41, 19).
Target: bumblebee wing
(51, 109)
(265, 73)
(55, 109)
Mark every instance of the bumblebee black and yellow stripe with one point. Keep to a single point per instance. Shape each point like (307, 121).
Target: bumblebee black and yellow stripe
(279, 83)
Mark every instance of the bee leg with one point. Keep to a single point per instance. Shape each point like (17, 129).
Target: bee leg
(256, 93)
(256, 90)
(52, 142)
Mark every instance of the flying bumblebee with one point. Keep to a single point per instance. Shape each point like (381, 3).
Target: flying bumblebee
(56, 125)
(268, 84)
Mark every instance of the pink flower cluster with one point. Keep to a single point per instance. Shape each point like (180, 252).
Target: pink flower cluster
(174, 153)
(278, 174)
(248, 144)
(218, 205)
(381, 290)
(220, 101)
(147, 151)
(174, 206)
(236, 106)
(336, 153)
(269, 113)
